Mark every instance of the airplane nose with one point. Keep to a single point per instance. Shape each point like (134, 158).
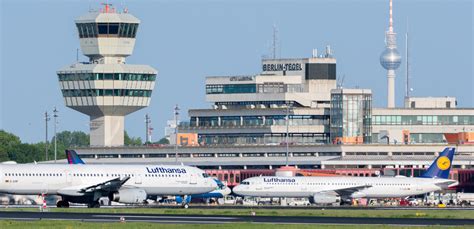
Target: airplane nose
(213, 183)
(237, 190)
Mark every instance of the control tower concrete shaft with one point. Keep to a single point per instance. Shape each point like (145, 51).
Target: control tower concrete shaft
(105, 87)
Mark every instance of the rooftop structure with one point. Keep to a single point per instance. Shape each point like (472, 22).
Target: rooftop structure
(430, 102)
(105, 87)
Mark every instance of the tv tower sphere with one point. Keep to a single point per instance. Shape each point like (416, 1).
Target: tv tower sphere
(390, 59)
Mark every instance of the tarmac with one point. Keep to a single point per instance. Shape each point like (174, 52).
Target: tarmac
(216, 219)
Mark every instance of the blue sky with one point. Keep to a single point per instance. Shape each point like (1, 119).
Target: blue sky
(189, 40)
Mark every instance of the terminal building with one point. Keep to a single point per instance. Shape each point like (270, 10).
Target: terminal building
(294, 107)
(290, 113)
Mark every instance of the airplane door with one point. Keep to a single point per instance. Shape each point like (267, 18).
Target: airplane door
(68, 177)
(138, 178)
(258, 185)
(193, 178)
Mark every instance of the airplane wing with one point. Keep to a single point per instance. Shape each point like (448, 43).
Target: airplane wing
(447, 184)
(107, 186)
(347, 191)
(350, 190)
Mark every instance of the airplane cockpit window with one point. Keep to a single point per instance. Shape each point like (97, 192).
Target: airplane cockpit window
(205, 175)
(245, 183)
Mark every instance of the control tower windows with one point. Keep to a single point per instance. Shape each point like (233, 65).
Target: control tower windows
(106, 76)
(92, 30)
(87, 30)
(105, 92)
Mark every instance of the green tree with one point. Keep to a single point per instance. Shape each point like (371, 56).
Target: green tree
(73, 139)
(132, 141)
(163, 141)
(8, 142)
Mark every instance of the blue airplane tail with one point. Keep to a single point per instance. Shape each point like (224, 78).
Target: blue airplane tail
(73, 158)
(441, 166)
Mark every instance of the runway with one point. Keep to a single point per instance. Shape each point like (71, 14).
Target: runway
(215, 219)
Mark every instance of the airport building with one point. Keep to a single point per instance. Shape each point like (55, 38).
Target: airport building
(107, 88)
(294, 106)
(290, 113)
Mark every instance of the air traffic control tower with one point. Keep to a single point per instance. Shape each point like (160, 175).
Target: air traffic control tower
(106, 88)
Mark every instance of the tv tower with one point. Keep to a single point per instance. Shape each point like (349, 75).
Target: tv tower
(390, 59)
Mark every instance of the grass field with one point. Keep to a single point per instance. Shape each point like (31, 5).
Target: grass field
(49, 224)
(435, 213)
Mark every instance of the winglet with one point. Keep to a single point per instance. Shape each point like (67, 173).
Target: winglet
(73, 158)
(442, 165)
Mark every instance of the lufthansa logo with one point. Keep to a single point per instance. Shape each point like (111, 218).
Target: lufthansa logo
(443, 163)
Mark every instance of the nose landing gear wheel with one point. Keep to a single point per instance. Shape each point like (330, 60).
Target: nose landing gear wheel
(94, 204)
(185, 206)
(62, 204)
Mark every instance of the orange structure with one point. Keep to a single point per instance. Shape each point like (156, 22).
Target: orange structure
(188, 139)
(460, 138)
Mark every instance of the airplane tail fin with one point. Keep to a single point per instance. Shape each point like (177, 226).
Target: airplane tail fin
(441, 165)
(73, 158)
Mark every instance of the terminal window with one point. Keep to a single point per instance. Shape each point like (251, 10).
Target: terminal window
(315, 71)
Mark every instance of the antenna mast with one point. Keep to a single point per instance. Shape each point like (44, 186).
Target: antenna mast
(407, 80)
(274, 42)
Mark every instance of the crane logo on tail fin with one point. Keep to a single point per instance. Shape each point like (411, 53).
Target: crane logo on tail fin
(443, 163)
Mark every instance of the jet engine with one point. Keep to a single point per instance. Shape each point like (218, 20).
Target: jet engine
(324, 199)
(129, 196)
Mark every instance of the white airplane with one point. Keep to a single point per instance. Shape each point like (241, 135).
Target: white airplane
(80, 183)
(326, 190)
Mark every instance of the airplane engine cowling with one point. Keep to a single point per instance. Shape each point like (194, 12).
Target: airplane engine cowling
(129, 196)
(324, 199)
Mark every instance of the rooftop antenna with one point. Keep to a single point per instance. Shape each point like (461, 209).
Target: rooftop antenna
(274, 42)
(407, 73)
(341, 83)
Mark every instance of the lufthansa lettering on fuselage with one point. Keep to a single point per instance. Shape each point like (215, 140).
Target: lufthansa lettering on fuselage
(282, 67)
(164, 170)
(279, 180)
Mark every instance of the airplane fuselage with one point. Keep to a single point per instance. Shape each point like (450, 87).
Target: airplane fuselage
(67, 179)
(376, 187)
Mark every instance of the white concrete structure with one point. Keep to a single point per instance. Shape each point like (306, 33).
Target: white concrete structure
(106, 88)
(431, 102)
(390, 59)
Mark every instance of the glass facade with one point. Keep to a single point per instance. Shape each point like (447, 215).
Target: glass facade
(106, 76)
(278, 120)
(423, 120)
(106, 92)
(253, 88)
(93, 30)
(269, 139)
(230, 88)
(351, 116)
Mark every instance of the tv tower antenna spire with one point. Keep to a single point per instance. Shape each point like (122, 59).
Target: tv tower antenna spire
(390, 59)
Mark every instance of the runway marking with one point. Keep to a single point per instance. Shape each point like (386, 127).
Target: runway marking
(160, 221)
(161, 217)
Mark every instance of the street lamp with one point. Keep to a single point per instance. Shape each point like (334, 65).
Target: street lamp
(176, 113)
(46, 119)
(287, 132)
(55, 115)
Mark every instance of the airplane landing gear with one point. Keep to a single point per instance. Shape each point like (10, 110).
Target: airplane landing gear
(62, 204)
(93, 204)
(185, 206)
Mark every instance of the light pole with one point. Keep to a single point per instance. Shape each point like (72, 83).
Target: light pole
(46, 119)
(147, 126)
(287, 132)
(176, 113)
(55, 115)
